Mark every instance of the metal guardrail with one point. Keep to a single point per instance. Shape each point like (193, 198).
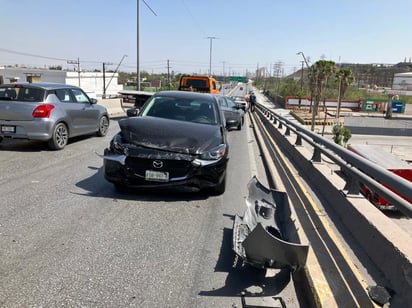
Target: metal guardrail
(356, 168)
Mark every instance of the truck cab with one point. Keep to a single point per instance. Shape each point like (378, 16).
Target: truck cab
(197, 83)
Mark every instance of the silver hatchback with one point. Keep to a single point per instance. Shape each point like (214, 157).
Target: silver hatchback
(49, 112)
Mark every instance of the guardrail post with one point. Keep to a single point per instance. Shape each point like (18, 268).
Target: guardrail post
(298, 141)
(352, 183)
(287, 132)
(280, 125)
(275, 120)
(316, 158)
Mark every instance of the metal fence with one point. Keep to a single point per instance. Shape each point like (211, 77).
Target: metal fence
(356, 168)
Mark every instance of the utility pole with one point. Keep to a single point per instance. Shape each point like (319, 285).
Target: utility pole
(168, 73)
(104, 81)
(104, 78)
(117, 68)
(78, 67)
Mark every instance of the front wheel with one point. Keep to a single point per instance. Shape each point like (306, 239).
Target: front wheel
(103, 126)
(59, 138)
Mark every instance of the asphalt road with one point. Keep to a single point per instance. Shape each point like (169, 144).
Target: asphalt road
(67, 238)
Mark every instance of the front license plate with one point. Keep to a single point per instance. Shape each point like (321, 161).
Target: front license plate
(8, 129)
(159, 176)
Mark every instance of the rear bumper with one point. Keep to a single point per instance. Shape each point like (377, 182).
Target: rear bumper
(40, 129)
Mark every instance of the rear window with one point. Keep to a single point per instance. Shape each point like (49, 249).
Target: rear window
(30, 94)
(22, 94)
(8, 94)
(196, 83)
(189, 110)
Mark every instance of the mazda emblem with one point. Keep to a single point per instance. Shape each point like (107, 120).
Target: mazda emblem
(157, 164)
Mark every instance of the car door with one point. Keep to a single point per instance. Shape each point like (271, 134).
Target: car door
(230, 110)
(87, 115)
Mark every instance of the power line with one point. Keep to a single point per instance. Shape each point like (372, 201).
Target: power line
(43, 57)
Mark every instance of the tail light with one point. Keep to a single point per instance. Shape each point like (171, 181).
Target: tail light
(43, 111)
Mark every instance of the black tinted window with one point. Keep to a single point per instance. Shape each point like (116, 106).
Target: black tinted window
(64, 95)
(31, 95)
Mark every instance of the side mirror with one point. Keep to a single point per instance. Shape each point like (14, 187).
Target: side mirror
(93, 101)
(131, 112)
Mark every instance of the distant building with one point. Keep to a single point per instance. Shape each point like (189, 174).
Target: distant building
(402, 81)
(90, 82)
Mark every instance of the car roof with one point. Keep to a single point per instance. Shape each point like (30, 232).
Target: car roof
(43, 85)
(187, 94)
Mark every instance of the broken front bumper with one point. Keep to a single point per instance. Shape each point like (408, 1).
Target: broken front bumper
(262, 236)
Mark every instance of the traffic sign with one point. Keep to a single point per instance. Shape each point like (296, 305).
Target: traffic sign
(238, 78)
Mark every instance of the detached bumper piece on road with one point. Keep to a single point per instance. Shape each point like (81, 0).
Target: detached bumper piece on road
(261, 237)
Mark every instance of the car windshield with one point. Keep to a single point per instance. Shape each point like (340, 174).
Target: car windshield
(181, 109)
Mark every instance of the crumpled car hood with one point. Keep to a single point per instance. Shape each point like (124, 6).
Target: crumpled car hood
(171, 135)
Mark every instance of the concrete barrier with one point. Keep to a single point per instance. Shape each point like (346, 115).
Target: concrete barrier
(113, 106)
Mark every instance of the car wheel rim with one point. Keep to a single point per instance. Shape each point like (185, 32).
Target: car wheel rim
(104, 125)
(61, 135)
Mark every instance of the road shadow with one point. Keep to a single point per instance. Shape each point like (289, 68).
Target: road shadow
(97, 186)
(245, 280)
(24, 145)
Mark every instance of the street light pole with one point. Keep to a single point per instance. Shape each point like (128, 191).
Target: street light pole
(138, 39)
(301, 79)
(211, 38)
(304, 58)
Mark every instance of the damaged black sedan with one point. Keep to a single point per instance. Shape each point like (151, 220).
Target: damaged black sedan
(176, 141)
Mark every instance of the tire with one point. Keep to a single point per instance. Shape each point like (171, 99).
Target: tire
(103, 126)
(1, 139)
(239, 127)
(59, 138)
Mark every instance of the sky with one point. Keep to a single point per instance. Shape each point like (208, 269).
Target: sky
(232, 37)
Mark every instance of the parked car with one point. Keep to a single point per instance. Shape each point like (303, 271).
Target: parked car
(49, 112)
(241, 102)
(177, 140)
(234, 114)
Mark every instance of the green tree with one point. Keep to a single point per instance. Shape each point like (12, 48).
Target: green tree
(341, 134)
(319, 73)
(345, 79)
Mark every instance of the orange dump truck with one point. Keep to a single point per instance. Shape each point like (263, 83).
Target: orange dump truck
(197, 83)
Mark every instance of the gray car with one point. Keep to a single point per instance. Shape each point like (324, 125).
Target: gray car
(49, 112)
(234, 114)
